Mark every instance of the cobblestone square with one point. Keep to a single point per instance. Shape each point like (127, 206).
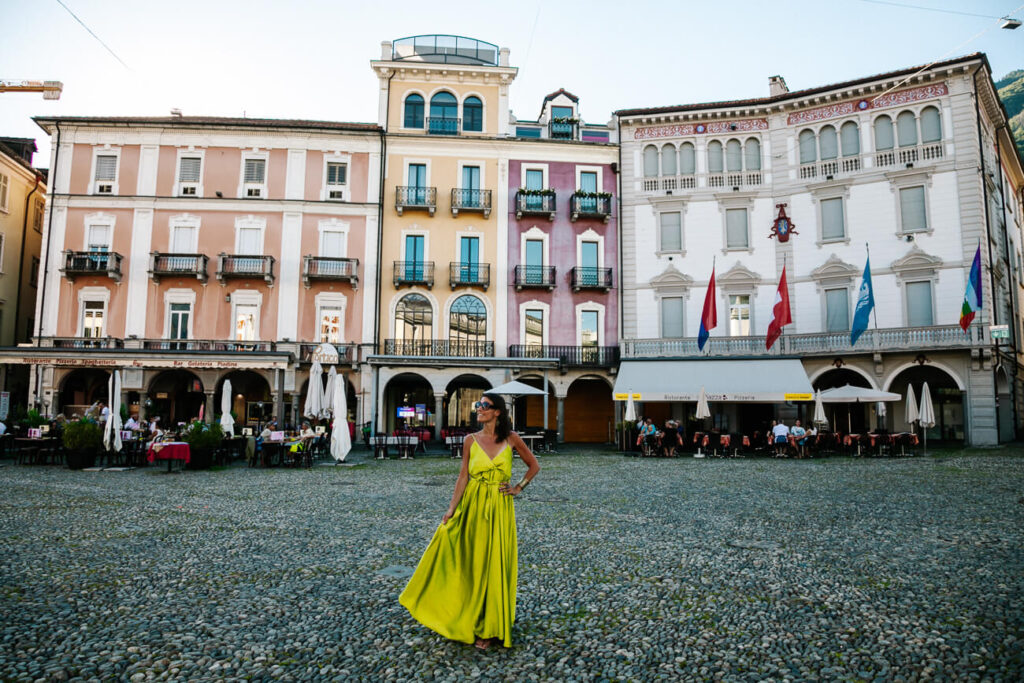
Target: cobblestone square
(629, 569)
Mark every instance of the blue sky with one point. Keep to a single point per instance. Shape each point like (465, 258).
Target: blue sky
(309, 59)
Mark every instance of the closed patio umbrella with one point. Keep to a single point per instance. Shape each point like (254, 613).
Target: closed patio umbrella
(819, 409)
(702, 405)
(314, 392)
(227, 423)
(112, 430)
(911, 410)
(927, 417)
(341, 441)
(628, 418)
(327, 410)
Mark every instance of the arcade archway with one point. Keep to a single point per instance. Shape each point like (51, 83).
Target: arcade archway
(947, 400)
(842, 417)
(460, 395)
(589, 411)
(81, 388)
(408, 402)
(252, 402)
(175, 396)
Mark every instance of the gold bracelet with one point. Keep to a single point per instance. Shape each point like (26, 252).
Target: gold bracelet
(522, 483)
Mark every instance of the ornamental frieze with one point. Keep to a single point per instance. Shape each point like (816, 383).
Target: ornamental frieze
(893, 99)
(712, 128)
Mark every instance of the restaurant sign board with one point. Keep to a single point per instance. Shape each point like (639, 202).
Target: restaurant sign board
(326, 353)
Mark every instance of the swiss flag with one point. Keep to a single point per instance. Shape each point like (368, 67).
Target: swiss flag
(780, 312)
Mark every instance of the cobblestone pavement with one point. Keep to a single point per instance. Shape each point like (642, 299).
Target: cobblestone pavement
(629, 569)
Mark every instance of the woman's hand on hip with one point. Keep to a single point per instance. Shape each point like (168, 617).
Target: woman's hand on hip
(510, 490)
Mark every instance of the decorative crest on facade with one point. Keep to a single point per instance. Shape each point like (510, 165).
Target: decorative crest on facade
(782, 228)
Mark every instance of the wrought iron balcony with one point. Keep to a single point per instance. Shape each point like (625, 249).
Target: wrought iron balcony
(569, 356)
(106, 263)
(330, 268)
(583, 206)
(245, 266)
(222, 345)
(937, 337)
(563, 130)
(471, 200)
(178, 265)
(439, 347)
(590, 277)
(81, 342)
(443, 125)
(469, 275)
(415, 197)
(535, 276)
(528, 204)
(414, 273)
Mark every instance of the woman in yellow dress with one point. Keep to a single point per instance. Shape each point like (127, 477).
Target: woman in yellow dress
(465, 584)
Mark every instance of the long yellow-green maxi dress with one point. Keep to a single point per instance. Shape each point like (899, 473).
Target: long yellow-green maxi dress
(465, 584)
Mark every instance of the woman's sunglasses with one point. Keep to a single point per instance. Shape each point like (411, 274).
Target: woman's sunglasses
(481, 405)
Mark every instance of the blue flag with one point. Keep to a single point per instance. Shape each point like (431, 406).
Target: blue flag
(865, 302)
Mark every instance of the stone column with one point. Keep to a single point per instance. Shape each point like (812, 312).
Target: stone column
(142, 406)
(561, 419)
(438, 414)
(279, 396)
(295, 411)
(208, 411)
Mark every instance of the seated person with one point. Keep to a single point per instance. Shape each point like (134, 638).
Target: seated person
(649, 434)
(670, 438)
(306, 437)
(800, 434)
(780, 432)
(132, 425)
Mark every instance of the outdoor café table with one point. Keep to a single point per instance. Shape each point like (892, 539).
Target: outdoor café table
(455, 443)
(531, 441)
(406, 445)
(30, 449)
(380, 447)
(170, 450)
(271, 451)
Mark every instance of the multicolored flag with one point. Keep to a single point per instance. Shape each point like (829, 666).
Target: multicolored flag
(972, 297)
(709, 316)
(781, 315)
(865, 302)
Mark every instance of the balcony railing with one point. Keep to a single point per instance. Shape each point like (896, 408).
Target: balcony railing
(414, 273)
(582, 206)
(830, 168)
(471, 200)
(820, 344)
(227, 346)
(347, 353)
(245, 266)
(106, 263)
(415, 197)
(590, 277)
(535, 276)
(535, 205)
(735, 179)
(443, 125)
(908, 156)
(178, 265)
(81, 342)
(438, 347)
(330, 268)
(569, 356)
(563, 130)
(469, 275)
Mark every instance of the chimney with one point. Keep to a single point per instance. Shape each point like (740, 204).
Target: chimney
(385, 51)
(503, 56)
(777, 86)
(176, 113)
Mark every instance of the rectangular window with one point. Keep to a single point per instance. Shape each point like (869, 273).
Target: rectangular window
(534, 261)
(106, 173)
(332, 244)
(672, 317)
(561, 112)
(534, 179)
(919, 304)
(330, 324)
(99, 237)
(414, 254)
(469, 251)
(4, 192)
(832, 225)
(534, 327)
(254, 177)
(837, 310)
(245, 322)
(337, 179)
(249, 241)
(179, 314)
(526, 132)
(736, 234)
(588, 181)
(183, 239)
(188, 176)
(739, 315)
(671, 231)
(92, 319)
(912, 210)
(418, 183)
(588, 328)
(37, 217)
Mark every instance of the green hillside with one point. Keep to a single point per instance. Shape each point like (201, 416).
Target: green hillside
(1011, 92)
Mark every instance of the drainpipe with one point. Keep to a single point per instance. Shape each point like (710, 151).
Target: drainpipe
(619, 414)
(984, 191)
(380, 246)
(21, 257)
(43, 251)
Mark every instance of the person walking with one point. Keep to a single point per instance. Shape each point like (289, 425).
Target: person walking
(464, 586)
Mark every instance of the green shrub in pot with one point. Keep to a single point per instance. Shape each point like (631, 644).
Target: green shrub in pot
(82, 439)
(202, 439)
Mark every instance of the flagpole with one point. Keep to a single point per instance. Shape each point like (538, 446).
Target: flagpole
(874, 309)
(981, 327)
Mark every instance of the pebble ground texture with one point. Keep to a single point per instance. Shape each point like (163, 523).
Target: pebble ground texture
(629, 569)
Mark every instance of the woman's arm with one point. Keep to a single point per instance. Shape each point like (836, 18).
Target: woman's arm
(528, 458)
(460, 483)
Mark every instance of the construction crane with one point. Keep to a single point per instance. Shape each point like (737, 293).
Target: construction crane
(51, 89)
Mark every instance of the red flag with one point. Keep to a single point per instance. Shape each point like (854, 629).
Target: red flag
(709, 316)
(780, 312)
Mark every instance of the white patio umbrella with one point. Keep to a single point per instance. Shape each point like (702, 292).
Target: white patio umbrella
(852, 394)
(629, 417)
(702, 405)
(927, 417)
(911, 410)
(341, 441)
(327, 410)
(227, 423)
(112, 430)
(314, 392)
(819, 409)
(515, 390)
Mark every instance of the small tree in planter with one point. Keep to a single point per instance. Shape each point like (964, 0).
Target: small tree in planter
(203, 440)
(82, 439)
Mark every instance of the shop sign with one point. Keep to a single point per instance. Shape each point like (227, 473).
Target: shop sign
(325, 353)
(999, 331)
(799, 397)
(625, 397)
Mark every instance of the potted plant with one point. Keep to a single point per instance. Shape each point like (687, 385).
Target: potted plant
(82, 439)
(203, 440)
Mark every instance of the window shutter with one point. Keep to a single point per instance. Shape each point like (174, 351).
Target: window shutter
(919, 304)
(687, 159)
(668, 160)
(671, 235)
(808, 153)
(182, 240)
(106, 167)
(912, 209)
(883, 133)
(714, 157)
(906, 129)
(672, 317)
(832, 225)
(650, 161)
(733, 156)
(850, 138)
(752, 155)
(736, 228)
(837, 310)
(189, 171)
(333, 244)
(931, 125)
(827, 142)
(254, 170)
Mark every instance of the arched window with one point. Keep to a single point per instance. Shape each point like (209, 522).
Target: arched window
(444, 114)
(650, 161)
(414, 318)
(752, 154)
(413, 111)
(467, 326)
(473, 114)
(827, 143)
(931, 125)
(714, 157)
(687, 159)
(733, 156)
(668, 160)
(883, 133)
(906, 129)
(849, 138)
(808, 147)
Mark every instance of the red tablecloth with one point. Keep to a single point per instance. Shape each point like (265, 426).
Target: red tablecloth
(169, 451)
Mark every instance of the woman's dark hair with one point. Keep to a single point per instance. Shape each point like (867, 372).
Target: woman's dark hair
(503, 425)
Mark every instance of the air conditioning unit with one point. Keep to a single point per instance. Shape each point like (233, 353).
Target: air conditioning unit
(104, 188)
